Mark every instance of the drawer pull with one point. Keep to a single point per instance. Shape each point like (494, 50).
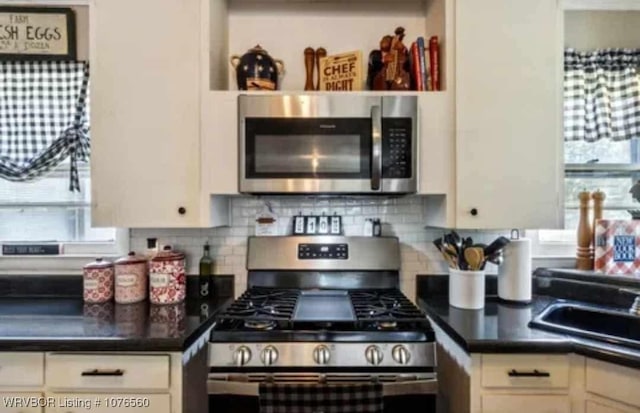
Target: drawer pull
(96, 372)
(534, 373)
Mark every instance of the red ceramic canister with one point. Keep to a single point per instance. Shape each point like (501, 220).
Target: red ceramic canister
(98, 281)
(131, 279)
(167, 281)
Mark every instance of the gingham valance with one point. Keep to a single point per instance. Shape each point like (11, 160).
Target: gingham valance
(601, 94)
(43, 118)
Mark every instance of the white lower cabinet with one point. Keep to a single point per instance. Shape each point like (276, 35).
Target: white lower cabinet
(108, 402)
(529, 404)
(18, 402)
(613, 382)
(592, 406)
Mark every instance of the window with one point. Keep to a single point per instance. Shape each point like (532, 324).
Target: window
(602, 132)
(610, 166)
(49, 142)
(45, 211)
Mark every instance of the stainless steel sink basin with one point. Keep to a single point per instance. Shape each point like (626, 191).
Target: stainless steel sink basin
(590, 321)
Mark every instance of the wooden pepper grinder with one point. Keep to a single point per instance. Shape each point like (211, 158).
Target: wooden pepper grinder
(309, 57)
(598, 202)
(584, 251)
(321, 52)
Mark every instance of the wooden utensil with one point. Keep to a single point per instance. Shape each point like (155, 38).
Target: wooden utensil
(320, 53)
(309, 58)
(474, 257)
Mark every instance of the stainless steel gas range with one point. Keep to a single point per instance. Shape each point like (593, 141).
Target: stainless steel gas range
(322, 310)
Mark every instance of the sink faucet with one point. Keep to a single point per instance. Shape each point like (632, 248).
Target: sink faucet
(635, 307)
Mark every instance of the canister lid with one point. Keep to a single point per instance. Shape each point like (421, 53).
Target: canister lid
(131, 258)
(168, 254)
(99, 263)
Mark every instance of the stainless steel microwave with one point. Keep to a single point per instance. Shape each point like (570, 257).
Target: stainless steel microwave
(320, 144)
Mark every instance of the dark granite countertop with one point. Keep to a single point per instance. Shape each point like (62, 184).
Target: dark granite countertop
(504, 328)
(64, 323)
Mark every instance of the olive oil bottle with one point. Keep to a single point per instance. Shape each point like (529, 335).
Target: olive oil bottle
(206, 271)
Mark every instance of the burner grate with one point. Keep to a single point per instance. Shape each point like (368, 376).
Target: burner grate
(384, 306)
(261, 309)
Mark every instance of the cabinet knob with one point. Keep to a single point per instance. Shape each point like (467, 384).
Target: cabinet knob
(474, 212)
(182, 210)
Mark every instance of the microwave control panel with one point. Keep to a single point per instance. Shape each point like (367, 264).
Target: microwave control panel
(323, 251)
(396, 147)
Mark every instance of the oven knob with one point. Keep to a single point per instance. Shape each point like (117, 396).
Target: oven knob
(242, 355)
(269, 355)
(400, 354)
(373, 354)
(321, 354)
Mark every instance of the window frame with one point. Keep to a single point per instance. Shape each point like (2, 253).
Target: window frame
(567, 250)
(75, 256)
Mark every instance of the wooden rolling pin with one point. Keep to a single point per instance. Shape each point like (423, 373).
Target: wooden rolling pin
(309, 57)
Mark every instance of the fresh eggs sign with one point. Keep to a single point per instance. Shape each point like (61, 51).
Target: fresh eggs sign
(37, 33)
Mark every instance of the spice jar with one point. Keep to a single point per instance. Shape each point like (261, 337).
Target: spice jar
(167, 282)
(131, 279)
(98, 281)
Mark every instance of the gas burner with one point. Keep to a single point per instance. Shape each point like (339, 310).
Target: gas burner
(386, 325)
(260, 324)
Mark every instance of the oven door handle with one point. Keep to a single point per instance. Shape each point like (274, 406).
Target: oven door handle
(376, 148)
(251, 389)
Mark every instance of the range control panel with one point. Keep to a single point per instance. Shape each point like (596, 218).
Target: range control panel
(323, 251)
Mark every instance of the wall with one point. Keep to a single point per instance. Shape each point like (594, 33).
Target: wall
(401, 217)
(586, 30)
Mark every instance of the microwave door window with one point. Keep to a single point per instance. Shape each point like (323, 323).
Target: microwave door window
(309, 155)
(304, 149)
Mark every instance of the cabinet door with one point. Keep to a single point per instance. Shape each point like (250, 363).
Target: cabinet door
(600, 407)
(15, 402)
(145, 113)
(108, 402)
(529, 404)
(508, 114)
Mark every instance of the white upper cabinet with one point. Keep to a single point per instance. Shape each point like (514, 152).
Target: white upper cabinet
(145, 123)
(508, 75)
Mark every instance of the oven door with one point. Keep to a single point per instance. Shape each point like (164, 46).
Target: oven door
(405, 393)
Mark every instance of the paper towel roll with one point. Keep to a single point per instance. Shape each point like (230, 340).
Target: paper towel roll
(514, 275)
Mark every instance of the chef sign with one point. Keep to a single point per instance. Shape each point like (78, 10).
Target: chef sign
(37, 33)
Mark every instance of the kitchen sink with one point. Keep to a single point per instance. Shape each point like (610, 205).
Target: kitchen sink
(590, 321)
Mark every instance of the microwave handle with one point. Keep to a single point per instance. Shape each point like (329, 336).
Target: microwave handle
(376, 148)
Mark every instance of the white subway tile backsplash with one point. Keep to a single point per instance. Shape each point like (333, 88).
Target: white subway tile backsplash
(401, 217)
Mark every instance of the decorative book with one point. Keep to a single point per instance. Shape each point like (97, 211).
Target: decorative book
(617, 247)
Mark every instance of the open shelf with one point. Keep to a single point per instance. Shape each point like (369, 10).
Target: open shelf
(284, 28)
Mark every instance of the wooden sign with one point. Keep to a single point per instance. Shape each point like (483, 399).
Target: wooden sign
(341, 72)
(37, 33)
(31, 249)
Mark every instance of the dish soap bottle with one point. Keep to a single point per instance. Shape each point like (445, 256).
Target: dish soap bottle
(206, 270)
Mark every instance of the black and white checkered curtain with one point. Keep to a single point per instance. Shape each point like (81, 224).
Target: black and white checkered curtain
(43, 118)
(601, 95)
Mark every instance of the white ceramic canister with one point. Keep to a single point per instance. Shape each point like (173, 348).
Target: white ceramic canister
(97, 280)
(466, 289)
(131, 279)
(167, 280)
